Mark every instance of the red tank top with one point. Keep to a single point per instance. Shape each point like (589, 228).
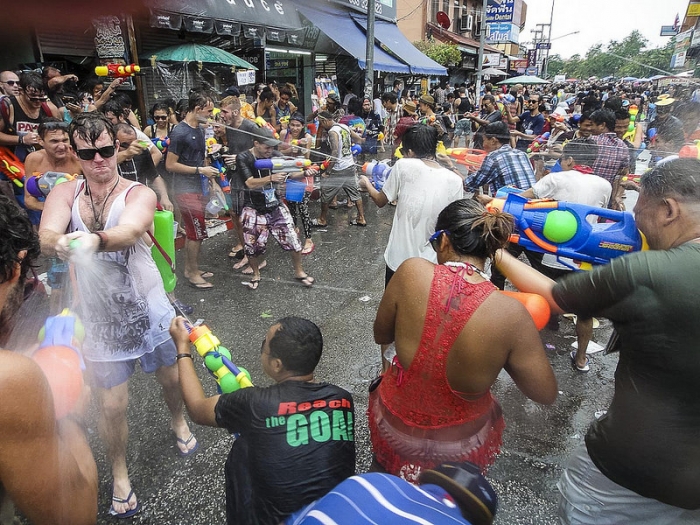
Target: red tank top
(421, 395)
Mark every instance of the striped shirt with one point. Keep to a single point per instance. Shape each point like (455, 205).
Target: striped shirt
(381, 498)
(503, 167)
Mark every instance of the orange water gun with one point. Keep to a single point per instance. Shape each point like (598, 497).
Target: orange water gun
(117, 70)
(11, 167)
(471, 158)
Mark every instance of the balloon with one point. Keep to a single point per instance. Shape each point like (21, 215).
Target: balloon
(61, 366)
(535, 304)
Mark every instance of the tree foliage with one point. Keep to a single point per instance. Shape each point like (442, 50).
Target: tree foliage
(626, 58)
(443, 54)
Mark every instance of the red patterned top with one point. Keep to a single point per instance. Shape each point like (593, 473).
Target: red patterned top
(420, 395)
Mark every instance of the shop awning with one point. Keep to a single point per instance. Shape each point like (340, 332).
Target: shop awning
(391, 36)
(280, 14)
(339, 27)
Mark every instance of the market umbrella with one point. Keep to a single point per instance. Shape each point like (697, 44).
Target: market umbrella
(493, 72)
(629, 79)
(523, 79)
(192, 52)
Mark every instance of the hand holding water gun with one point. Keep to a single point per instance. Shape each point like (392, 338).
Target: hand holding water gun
(11, 167)
(217, 358)
(41, 184)
(283, 164)
(377, 172)
(471, 158)
(539, 143)
(117, 70)
(632, 127)
(216, 160)
(59, 358)
(262, 123)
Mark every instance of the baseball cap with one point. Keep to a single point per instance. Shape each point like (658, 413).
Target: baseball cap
(265, 136)
(471, 490)
(231, 91)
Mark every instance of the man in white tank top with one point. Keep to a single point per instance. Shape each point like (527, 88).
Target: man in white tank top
(126, 312)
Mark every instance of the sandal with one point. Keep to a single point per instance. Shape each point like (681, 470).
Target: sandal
(584, 368)
(206, 275)
(252, 284)
(354, 222)
(201, 286)
(307, 280)
(308, 249)
(316, 224)
(127, 513)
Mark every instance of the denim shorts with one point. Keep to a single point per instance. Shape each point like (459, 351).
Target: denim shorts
(589, 497)
(108, 374)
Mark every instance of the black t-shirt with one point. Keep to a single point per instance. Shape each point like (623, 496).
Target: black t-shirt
(139, 169)
(649, 440)
(188, 144)
(299, 441)
(256, 198)
(240, 139)
(465, 106)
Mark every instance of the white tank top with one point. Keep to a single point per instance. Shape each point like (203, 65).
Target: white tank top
(122, 300)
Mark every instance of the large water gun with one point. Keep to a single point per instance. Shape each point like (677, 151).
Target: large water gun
(539, 143)
(41, 184)
(117, 70)
(377, 172)
(161, 143)
(262, 123)
(11, 167)
(217, 359)
(60, 360)
(283, 164)
(632, 128)
(561, 228)
(471, 158)
(216, 160)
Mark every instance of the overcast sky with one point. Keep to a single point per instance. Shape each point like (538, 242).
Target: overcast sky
(601, 21)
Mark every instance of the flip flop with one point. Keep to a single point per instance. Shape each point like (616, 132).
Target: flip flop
(201, 286)
(252, 284)
(186, 442)
(237, 254)
(307, 280)
(355, 223)
(307, 251)
(206, 275)
(127, 513)
(316, 224)
(584, 368)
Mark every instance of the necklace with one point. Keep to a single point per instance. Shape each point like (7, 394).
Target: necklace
(98, 218)
(469, 267)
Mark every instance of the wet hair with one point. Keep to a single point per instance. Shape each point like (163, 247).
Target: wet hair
(298, 343)
(31, 80)
(604, 116)
(17, 235)
(89, 127)
(499, 130)
(421, 139)
(298, 117)
(354, 106)
(678, 178)
(286, 91)
(160, 106)
(389, 96)
(622, 114)
(113, 106)
(126, 128)
(51, 124)
(473, 230)
(123, 99)
(583, 151)
(266, 95)
(197, 99)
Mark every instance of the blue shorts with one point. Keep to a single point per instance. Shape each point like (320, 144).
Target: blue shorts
(108, 374)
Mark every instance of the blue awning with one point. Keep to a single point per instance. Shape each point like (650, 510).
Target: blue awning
(338, 26)
(391, 36)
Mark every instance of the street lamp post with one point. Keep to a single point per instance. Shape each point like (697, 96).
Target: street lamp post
(482, 40)
(549, 41)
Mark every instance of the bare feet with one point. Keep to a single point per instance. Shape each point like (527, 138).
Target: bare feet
(240, 264)
(249, 270)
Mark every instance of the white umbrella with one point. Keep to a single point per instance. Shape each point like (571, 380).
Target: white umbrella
(493, 72)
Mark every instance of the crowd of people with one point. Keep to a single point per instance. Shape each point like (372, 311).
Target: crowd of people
(432, 418)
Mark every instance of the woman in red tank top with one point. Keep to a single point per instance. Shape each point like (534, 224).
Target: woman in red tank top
(453, 335)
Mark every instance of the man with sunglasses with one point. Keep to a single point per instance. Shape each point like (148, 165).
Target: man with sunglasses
(65, 489)
(9, 83)
(21, 115)
(530, 123)
(123, 305)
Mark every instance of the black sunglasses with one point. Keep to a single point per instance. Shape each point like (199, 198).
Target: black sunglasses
(12, 82)
(52, 126)
(89, 154)
(160, 118)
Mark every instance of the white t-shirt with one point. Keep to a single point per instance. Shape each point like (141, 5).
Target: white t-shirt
(421, 192)
(576, 187)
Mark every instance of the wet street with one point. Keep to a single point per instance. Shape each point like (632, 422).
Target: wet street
(349, 270)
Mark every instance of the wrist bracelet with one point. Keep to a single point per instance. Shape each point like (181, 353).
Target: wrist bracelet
(20, 139)
(196, 170)
(103, 240)
(180, 356)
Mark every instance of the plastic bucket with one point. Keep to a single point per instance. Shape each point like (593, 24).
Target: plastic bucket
(295, 191)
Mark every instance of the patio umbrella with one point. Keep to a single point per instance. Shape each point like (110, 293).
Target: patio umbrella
(629, 79)
(493, 72)
(523, 79)
(192, 52)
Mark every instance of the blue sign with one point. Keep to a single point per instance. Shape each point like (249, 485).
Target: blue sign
(500, 11)
(502, 32)
(531, 71)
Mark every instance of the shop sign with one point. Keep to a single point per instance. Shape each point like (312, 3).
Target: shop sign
(109, 42)
(500, 11)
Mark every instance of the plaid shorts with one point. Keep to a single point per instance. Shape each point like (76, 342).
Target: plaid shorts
(257, 228)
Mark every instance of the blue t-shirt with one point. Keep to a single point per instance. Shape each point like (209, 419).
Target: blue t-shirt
(188, 144)
(530, 123)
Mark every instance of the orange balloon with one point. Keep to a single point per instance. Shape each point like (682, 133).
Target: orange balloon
(536, 305)
(61, 366)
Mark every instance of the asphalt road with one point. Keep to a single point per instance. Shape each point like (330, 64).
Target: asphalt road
(349, 270)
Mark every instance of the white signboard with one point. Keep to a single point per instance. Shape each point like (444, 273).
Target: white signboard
(245, 77)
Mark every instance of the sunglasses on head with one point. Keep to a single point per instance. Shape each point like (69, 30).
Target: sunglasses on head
(11, 82)
(53, 126)
(89, 154)
(435, 238)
